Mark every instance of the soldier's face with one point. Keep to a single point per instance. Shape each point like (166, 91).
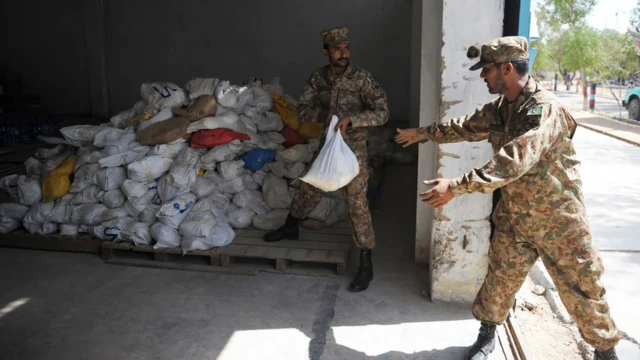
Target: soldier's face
(492, 76)
(338, 55)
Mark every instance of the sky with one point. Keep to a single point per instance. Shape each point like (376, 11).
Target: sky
(603, 15)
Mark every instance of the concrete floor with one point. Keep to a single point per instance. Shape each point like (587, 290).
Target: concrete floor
(74, 306)
(610, 169)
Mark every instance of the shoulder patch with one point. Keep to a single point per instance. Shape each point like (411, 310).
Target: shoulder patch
(371, 79)
(536, 110)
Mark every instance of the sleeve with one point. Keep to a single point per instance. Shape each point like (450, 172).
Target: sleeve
(517, 157)
(308, 107)
(473, 127)
(376, 107)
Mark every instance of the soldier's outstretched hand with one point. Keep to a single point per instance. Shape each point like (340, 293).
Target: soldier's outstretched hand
(439, 195)
(407, 137)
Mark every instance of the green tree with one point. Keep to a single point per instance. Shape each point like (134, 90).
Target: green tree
(634, 18)
(576, 41)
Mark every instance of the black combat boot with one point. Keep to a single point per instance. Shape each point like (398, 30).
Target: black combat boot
(605, 355)
(288, 231)
(365, 272)
(485, 344)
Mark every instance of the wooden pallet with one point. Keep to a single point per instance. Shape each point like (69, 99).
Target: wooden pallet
(328, 245)
(21, 239)
(111, 250)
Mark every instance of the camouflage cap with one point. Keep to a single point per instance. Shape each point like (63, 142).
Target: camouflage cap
(500, 50)
(334, 36)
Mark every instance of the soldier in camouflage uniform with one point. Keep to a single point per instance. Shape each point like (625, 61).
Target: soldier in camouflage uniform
(356, 98)
(542, 212)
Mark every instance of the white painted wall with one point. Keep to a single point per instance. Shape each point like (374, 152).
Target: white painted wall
(460, 237)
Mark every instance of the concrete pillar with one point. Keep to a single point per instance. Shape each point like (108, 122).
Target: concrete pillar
(96, 55)
(460, 235)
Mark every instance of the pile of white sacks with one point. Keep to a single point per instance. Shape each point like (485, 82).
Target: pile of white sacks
(157, 195)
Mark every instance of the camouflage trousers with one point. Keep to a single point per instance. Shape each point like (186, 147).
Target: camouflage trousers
(355, 194)
(575, 267)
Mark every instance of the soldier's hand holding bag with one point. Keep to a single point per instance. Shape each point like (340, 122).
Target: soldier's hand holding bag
(336, 165)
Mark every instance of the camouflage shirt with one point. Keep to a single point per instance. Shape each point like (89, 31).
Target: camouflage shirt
(355, 93)
(534, 163)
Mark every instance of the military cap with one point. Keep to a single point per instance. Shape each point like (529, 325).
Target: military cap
(334, 36)
(500, 50)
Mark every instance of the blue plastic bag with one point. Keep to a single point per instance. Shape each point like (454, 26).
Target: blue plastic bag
(255, 159)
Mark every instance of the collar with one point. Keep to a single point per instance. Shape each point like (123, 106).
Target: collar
(348, 73)
(530, 88)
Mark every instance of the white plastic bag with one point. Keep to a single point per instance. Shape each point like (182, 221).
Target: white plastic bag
(135, 205)
(220, 153)
(80, 135)
(148, 215)
(270, 122)
(323, 209)
(258, 176)
(200, 220)
(92, 157)
(62, 210)
(287, 170)
(35, 220)
(170, 150)
(148, 168)
(274, 87)
(9, 184)
(165, 236)
(34, 168)
(270, 221)
(227, 95)
(68, 230)
(111, 230)
(168, 192)
(164, 114)
(184, 169)
(251, 199)
(45, 153)
(203, 187)
(228, 120)
(221, 201)
(221, 235)
(89, 214)
(108, 136)
(92, 194)
(272, 140)
(137, 232)
(122, 119)
(241, 218)
(249, 183)
(231, 186)
(162, 95)
(136, 189)
(111, 178)
(201, 86)
(120, 145)
(335, 166)
(84, 176)
(125, 158)
(276, 192)
(296, 153)
(114, 199)
(174, 212)
(29, 191)
(231, 169)
(11, 216)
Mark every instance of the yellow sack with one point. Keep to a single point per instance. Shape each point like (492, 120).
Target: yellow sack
(140, 118)
(56, 182)
(310, 130)
(286, 110)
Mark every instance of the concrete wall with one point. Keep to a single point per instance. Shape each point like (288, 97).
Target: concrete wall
(427, 35)
(461, 229)
(93, 56)
(233, 40)
(43, 43)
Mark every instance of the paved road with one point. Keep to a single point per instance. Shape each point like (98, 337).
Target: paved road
(604, 104)
(610, 173)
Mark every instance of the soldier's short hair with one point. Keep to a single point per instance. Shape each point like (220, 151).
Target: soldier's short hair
(521, 66)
